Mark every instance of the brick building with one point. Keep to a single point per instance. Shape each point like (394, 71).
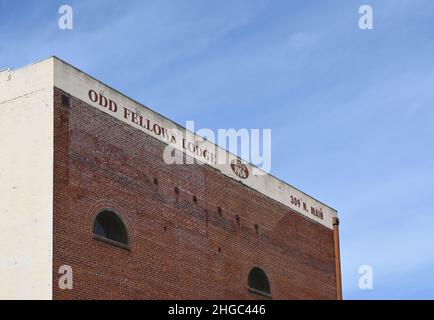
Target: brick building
(83, 184)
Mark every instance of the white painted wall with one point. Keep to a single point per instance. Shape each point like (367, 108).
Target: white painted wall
(26, 182)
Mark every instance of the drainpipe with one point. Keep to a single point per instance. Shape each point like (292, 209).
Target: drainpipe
(337, 258)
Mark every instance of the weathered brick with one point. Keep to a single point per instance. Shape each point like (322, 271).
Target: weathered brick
(179, 249)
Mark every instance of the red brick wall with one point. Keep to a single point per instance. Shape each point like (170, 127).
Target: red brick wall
(101, 162)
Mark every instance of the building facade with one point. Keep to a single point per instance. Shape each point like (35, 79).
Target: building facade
(85, 189)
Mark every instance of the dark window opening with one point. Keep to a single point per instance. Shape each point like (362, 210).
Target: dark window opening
(176, 195)
(65, 100)
(109, 226)
(219, 210)
(258, 282)
(156, 181)
(194, 199)
(237, 218)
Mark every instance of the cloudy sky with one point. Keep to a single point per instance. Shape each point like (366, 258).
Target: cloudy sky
(351, 111)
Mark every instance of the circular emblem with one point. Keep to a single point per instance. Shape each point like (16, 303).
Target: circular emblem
(239, 168)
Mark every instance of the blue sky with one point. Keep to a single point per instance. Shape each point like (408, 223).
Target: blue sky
(351, 111)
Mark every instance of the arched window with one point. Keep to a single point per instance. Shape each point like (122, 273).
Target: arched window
(109, 226)
(258, 282)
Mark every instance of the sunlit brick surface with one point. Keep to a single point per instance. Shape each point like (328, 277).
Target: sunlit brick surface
(179, 249)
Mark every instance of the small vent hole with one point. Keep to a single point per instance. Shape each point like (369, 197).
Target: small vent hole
(65, 100)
